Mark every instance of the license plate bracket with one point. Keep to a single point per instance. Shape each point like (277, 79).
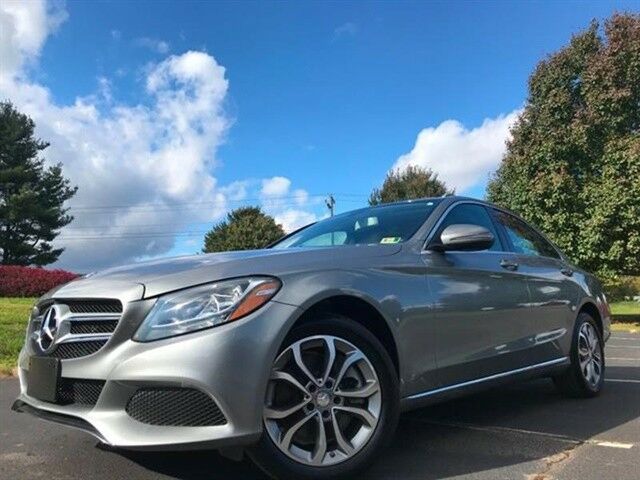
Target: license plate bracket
(42, 378)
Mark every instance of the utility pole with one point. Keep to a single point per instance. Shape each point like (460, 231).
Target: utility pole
(330, 202)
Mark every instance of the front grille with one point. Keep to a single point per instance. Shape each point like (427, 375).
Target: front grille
(85, 325)
(77, 349)
(94, 326)
(78, 391)
(94, 306)
(180, 407)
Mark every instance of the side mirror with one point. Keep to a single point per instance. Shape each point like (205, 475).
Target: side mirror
(463, 236)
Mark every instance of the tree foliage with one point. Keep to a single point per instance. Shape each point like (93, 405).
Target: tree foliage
(245, 228)
(410, 183)
(573, 164)
(32, 196)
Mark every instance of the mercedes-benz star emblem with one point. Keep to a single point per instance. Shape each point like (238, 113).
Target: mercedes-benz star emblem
(49, 328)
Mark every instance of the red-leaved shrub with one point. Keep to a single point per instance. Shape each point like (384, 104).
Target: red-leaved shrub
(17, 281)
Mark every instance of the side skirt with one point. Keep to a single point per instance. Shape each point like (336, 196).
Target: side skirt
(422, 399)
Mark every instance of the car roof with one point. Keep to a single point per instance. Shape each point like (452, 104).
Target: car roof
(444, 200)
(448, 198)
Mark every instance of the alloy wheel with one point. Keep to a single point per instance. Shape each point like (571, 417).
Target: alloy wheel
(590, 354)
(323, 402)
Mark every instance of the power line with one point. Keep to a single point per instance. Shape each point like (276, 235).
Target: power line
(170, 208)
(131, 225)
(263, 200)
(125, 236)
(92, 232)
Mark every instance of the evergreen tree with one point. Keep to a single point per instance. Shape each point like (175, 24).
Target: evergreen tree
(32, 196)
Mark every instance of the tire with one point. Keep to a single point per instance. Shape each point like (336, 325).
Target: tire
(578, 381)
(286, 456)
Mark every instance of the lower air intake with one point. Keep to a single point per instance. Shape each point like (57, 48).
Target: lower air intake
(79, 391)
(177, 407)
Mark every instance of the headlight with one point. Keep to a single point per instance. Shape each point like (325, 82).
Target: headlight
(206, 306)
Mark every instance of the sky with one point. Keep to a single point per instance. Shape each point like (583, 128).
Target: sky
(169, 114)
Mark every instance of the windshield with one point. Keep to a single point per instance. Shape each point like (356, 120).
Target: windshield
(384, 224)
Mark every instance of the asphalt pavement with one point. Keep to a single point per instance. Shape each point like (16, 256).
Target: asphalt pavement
(526, 431)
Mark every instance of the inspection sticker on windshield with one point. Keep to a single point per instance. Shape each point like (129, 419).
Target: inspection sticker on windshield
(391, 240)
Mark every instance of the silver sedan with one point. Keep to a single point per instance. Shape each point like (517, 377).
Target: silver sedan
(303, 354)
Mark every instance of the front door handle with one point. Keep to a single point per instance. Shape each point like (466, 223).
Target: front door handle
(567, 272)
(508, 265)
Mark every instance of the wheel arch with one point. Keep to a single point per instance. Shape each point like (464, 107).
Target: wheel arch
(591, 308)
(360, 311)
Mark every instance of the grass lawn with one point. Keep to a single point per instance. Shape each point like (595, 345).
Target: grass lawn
(625, 308)
(14, 313)
(626, 316)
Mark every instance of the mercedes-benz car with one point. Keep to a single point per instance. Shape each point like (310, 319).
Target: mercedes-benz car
(303, 354)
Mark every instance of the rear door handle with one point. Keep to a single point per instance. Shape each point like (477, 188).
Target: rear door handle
(508, 265)
(567, 272)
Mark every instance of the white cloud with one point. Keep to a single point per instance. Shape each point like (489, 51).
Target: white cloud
(292, 219)
(236, 191)
(24, 27)
(275, 187)
(116, 34)
(461, 157)
(144, 170)
(155, 157)
(104, 89)
(153, 44)
(347, 29)
(277, 198)
(301, 196)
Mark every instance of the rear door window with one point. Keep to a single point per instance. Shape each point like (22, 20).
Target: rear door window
(524, 239)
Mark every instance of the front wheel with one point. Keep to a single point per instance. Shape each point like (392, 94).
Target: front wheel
(331, 403)
(585, 377)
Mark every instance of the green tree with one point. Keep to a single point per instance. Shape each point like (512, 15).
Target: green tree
(245, 228)
(573, 164)
(31, 196)
(410, 183)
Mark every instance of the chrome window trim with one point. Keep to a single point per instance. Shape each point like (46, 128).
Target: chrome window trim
(496, 376)
(560, 257)
(442, 218)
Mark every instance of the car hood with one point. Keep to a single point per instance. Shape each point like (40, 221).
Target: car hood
(152, 278)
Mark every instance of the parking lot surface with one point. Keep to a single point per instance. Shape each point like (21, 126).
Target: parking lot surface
(526, 431)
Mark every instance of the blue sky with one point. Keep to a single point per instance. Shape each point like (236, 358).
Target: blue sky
(327, 96)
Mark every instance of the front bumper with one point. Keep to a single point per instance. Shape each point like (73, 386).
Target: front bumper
(230, 363)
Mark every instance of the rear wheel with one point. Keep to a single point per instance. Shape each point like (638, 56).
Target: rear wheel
(331, 403)
(585, 377)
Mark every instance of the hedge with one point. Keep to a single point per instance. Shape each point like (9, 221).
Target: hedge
(18, 281)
